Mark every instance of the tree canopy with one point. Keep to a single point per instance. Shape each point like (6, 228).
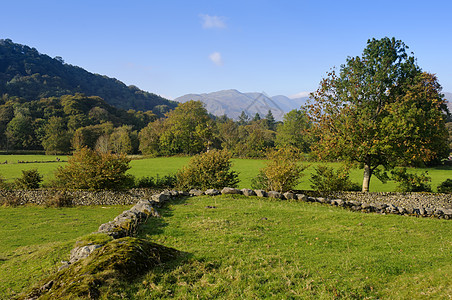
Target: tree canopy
(380, 110)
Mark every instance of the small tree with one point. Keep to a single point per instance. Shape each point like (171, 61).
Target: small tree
(445, 186)
(31, 179)
(325, 179)
(282, 172)
(208, 170)
(89, 169)
(409, 182)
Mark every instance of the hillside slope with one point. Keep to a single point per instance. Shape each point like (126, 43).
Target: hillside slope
(28, 74)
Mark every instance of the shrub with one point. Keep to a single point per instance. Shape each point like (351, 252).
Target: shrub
(445, 186)
(411, 182)
(325, 179)
(167, 181)
(208, 170)
(31, 179)
(282, 172)
(10, 200)
(89, 169)
(60, 199)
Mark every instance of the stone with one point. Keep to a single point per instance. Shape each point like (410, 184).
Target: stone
(196, 192)
(212, 192)
(79, 253)
(261, 193)
(301, 197)
(248, 192)
(230, 191)
(161, 198)
(289, 196)
(276, 195)
(340, 202)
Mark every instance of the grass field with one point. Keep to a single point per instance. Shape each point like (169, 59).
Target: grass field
(247, 169)
(35, 239)
(255, 248)
(248, 248)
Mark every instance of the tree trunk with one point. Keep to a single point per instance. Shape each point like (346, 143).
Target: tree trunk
(366, 179)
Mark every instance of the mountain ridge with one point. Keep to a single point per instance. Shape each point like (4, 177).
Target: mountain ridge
(232, 102)
(30, 75)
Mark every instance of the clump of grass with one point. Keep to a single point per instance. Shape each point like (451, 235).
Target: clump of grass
(116, 262)
(60, 199)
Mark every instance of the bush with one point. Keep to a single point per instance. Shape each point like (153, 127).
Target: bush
(165, 182)
(282, 172)
(445, 186)
(10, 200)
(208, 170)
(60, 199)
(89, 169)
(411, 182)
(31, 179)
(325, 179)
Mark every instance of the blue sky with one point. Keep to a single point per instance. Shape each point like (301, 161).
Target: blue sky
(173, 48)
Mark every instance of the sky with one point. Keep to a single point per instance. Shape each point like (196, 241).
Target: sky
(173, 48)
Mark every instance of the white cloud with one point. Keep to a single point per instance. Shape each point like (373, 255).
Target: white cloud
(212, 21)
(216, 58)
(300, 95)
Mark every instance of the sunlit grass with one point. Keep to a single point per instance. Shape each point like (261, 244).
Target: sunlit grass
(34, 240)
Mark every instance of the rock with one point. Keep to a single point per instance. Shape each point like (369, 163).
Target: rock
(248, 192)
(276, 195)
(212, 192)
(320, 200)
(230, 191)
(261, 193)
(79, 253)
(162, 197)
(195, 192)
(340, 202)
(289, 196)
(301, 197)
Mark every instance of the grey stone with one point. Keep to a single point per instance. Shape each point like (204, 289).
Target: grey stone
(212, 192)
(261, 193)
(161, 198)
(248, 192)
(195, 192)
(301, 197)
(273, 194)
(289, 196)
(230, 191)
(79, 253)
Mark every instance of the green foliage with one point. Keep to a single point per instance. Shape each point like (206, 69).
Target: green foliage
(89, 169)
(445, 186)
(380, 110)
(161, 182)
(208, 170)
(411, 182)
(57, 140)
(30, 179)
(30, 75)
(294, 131)
(326, 179)
(283, 170)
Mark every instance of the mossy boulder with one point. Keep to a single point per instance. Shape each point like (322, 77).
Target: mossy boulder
(119, 261)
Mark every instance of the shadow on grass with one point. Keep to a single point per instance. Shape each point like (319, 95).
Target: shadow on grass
(155, 226)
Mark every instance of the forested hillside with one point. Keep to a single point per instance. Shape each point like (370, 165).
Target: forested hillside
(30, 75)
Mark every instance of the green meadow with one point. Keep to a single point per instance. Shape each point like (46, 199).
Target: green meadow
(34, 240)
(247, 169)
(246, 247)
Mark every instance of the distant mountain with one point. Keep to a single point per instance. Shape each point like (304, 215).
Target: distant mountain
(233, 102)
(448, 96)
(28, 74)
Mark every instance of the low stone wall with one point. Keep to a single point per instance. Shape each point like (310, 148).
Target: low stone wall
(424, 200)
(79, 197)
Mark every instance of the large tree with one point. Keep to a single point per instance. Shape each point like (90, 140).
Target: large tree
(379, 110)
